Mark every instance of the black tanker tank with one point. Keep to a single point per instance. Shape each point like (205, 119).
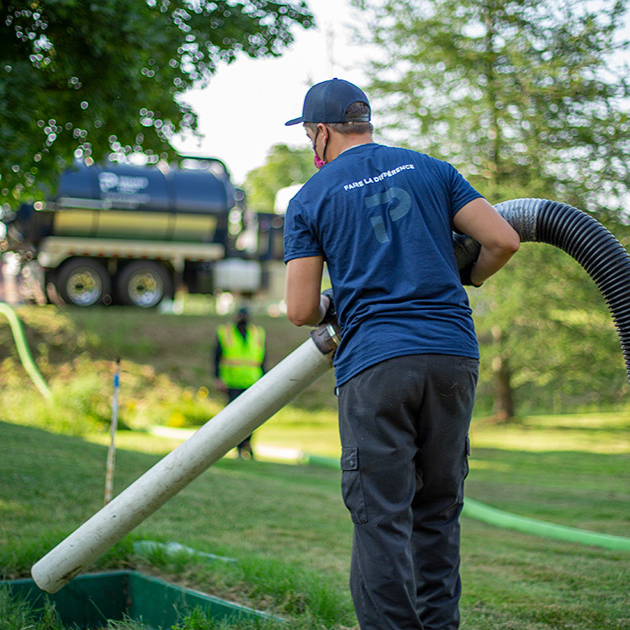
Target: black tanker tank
(126, 201)
(129, 234)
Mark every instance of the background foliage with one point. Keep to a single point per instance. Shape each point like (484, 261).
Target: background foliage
(167, 363)
(283, 167)
(526, 99)
(83, 80)
(523, 96)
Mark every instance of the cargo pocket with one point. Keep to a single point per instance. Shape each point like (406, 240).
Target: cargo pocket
(352, 486)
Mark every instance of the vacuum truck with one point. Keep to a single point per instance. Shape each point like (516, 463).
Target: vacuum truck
(127, 234)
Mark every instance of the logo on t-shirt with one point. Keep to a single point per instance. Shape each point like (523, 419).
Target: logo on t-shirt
(379, 178)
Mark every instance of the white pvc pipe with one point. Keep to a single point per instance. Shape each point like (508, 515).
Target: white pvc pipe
(172, 473)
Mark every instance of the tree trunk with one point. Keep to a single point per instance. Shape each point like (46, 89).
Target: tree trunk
(504, 397)
(503, 400)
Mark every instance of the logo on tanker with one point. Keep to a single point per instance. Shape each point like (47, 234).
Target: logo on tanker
(121, 184)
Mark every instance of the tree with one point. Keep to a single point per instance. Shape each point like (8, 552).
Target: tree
(85, 79)
(520, 92)
(283, 167)
(522, 97)
(547, 340)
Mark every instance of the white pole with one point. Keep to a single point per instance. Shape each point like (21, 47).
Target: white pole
(111, 454)
(213, 440)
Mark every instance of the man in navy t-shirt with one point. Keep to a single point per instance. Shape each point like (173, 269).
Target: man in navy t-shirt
(382, 218)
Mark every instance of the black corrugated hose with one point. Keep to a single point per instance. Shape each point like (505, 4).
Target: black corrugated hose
(581, 236)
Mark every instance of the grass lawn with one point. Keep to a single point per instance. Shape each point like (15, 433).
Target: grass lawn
(284, 523)
(288, 528)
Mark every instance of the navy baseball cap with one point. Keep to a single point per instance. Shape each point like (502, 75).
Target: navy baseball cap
(328, 102)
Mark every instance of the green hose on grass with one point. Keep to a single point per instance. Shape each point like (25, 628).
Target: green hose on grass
(499, 518)
(505, 520)
(23, 350)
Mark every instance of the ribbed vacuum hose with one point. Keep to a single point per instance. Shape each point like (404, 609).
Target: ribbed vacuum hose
(582, 237)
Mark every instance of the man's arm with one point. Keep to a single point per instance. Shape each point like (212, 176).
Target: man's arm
(498, 240)
(305, 304)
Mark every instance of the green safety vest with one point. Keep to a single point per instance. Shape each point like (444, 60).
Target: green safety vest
(241, 360)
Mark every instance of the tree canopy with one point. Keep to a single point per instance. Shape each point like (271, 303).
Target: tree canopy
(521, 95)
(547, 340)
(85, 79)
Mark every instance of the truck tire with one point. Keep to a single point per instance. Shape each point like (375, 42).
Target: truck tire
(144, 284)
(83, 282)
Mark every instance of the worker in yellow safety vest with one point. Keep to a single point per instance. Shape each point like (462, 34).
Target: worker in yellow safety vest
(239, 361)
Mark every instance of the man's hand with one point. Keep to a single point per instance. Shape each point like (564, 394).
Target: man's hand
(498, 240)
(465, 275)
(220, 385)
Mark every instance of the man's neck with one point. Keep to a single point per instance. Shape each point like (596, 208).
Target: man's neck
(339, 143)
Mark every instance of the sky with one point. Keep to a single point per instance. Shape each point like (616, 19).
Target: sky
(243, 109)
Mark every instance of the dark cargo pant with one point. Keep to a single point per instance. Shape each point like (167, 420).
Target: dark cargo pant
(404, 433)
